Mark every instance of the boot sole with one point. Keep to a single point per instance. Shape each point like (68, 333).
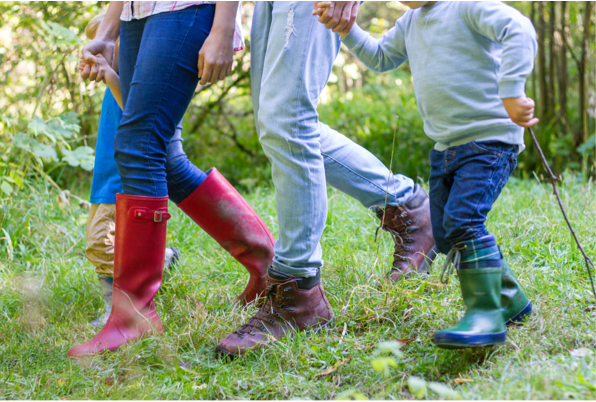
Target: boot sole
(520, 317)
(458, 341)
(219, 352)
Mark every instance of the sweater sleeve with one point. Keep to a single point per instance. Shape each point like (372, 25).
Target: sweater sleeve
(385, 54)
(514, 32)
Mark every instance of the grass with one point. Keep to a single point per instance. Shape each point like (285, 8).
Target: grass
(49, 293)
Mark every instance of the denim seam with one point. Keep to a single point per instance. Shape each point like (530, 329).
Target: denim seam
(159, 105)
(364, 179)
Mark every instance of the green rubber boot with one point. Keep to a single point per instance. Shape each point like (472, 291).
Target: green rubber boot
(482, 325)
(515, 305)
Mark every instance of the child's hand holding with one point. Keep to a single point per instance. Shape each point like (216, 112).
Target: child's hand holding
(319, 7)
(339, 16)
(103, 66)
(521, 111)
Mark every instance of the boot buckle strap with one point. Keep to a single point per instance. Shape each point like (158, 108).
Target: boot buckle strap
(148, 215)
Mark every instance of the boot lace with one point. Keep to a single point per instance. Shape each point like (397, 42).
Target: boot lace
(399, 233)
(451, 262)
(268, 313)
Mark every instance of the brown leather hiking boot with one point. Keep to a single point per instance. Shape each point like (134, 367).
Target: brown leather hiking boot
(291, 304)
(411, 229)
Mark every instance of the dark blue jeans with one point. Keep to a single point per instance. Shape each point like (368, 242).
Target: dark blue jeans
(158, 75)
(465, 181)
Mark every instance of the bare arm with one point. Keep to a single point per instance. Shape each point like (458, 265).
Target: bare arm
(111, 78)
(217, 54)
(104, 42)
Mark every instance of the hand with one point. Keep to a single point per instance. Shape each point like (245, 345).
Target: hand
(339, 16)
(319, 7)
(104, 47)
(521, 111)
(102, 67)
(216, 58)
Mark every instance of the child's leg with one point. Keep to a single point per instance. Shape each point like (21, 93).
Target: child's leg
(479, 172)
(440, 184)
(101, 227)
(100, 252)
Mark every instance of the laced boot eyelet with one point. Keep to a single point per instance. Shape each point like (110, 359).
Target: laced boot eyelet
(408, 222)
(288, 290)
(287, 298)
(410, 239)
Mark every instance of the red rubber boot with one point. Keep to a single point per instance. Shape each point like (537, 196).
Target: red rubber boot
(138, 267)
(221, 211)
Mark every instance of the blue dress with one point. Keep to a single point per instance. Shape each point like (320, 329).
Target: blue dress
(106, 178)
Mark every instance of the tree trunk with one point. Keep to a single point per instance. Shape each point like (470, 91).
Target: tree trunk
(584, 73)
(562, 70)
(542, 91)
(583, 80)
(551, 59)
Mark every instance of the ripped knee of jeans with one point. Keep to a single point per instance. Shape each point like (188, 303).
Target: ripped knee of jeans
(290, 28)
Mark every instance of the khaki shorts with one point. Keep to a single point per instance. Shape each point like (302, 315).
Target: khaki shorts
(101, 231)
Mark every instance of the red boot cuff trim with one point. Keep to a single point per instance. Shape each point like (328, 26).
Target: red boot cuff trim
(121, 196)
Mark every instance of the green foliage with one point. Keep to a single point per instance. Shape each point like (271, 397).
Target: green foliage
(373, 114)
(40, 43)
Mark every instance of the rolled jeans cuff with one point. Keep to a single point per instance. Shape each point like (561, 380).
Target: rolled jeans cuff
(295, 272)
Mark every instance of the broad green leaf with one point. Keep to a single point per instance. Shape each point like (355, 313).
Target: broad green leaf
(57, 129)
(88, 163)
(70, 121)
(23, 141)
(417, 387)
(37, 125)
(82, 156)
(70, 118)
(63, 35)
(588, 146)
(43, 150)
(351, 395)
(17, 178)
(381, 364)
(392, 347)
(444, 391)
(6, 188)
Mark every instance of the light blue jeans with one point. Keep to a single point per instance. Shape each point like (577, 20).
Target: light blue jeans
(291, 59)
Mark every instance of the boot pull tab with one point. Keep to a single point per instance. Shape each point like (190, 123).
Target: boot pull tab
(144, 214)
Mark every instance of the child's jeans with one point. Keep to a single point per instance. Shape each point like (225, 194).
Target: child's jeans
(465, 181)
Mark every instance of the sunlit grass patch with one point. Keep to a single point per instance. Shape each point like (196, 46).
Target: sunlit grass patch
(48, 294)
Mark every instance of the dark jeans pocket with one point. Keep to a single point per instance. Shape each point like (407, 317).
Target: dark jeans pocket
(488, 147)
